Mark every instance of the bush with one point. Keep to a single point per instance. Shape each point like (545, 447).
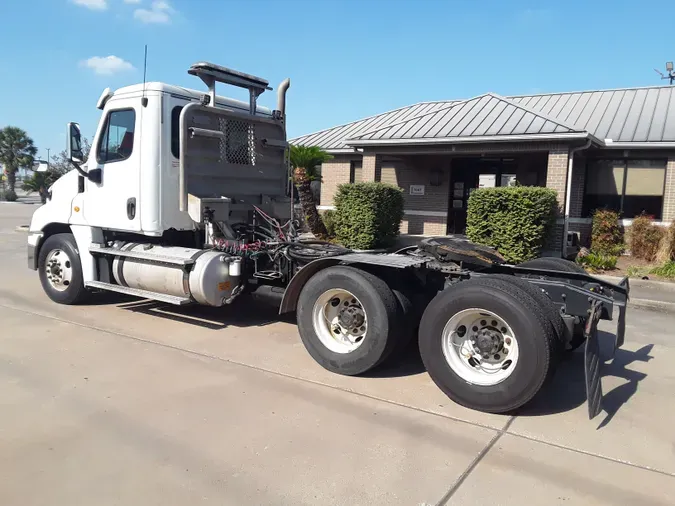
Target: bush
(606, 234)
(667, 250)
(328, 218)
(8, 195)
(368, 215)
(514, 220)
(645, 238)
(598, 262)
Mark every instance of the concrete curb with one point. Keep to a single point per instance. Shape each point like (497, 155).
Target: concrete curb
(652, 305)
(642, 283)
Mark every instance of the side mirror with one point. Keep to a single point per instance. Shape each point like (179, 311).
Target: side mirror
(74, 145)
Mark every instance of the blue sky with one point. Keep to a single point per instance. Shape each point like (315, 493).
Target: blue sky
(347, 59)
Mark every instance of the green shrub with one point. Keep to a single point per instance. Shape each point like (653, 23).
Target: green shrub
(8, 195)
(606, 234)
(328, 218)
(667, 270)
(515, 220)
(368, 215)
(645, 238)
(598, 262)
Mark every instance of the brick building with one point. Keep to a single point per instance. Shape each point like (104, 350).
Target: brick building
(618, 146)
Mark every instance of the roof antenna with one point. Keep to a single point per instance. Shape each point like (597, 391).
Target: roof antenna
(669, 69)
(144, 99)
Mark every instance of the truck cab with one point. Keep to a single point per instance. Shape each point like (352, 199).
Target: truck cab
(136, 186)
(134, 152)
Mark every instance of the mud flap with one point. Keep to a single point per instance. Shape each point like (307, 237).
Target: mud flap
(621, 323)
(592, 362)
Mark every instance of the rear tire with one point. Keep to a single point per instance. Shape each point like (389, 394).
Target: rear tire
(524, 328)
(560, 264)
(409, 318)
(337, 340)
(60, 270)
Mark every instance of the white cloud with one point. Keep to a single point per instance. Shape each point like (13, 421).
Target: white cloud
(159, 12)
(107, 65)
(95, 5)
(132, 1)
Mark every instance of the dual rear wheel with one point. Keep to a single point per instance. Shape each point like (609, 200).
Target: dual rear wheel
(489, 343)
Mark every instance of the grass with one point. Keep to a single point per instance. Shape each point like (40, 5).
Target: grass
(636, 271)
(597, 262)
(666, 270)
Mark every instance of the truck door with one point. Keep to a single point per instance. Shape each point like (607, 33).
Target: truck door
(113, 203)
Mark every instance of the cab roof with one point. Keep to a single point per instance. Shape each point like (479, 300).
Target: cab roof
(188, 94)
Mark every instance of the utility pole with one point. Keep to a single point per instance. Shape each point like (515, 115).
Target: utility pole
(48, 150)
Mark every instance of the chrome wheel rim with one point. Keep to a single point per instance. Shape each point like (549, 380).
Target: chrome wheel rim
(480, 347)
(340, 321)
(59, 270)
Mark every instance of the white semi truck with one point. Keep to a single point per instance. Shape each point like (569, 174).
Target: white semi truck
(185, 199)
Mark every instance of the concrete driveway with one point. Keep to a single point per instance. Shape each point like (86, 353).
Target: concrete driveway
(132, 402)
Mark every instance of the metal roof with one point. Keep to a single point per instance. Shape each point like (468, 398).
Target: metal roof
(632, 115)
(333, 139)
(487, 115)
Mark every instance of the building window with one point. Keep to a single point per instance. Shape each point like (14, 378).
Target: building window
(117, 141)
(355, 170)
(631, 187)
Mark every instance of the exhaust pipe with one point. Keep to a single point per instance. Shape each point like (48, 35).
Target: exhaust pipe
(281, 96)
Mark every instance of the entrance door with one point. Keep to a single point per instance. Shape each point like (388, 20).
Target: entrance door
(116, 151)
(469, 174)
(464, 179)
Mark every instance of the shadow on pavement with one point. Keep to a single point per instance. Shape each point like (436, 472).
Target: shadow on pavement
(211, 318)
(259, 310)
(567, 390)
(406, 362)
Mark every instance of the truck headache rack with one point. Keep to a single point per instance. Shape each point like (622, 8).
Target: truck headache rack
(211, 73)
(231, 154)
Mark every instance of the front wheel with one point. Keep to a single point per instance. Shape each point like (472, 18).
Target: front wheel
(348, 319)
(60, 270)
(487, 344)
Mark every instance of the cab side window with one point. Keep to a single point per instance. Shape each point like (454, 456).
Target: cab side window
(175, 131)
(117, 141)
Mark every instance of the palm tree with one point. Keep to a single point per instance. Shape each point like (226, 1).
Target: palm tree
(16, 150)
(305, 161)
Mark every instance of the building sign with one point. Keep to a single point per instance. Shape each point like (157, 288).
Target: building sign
(416, 189)
(487, 180)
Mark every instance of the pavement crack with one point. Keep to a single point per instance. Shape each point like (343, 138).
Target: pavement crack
(462, 477)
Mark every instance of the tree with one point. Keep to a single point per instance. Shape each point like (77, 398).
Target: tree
(58, 166)
(305, 161)
(16, 150)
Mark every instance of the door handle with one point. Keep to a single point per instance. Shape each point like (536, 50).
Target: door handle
(131, 208)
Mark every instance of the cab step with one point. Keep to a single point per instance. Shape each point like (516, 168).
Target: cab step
(145, 294)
